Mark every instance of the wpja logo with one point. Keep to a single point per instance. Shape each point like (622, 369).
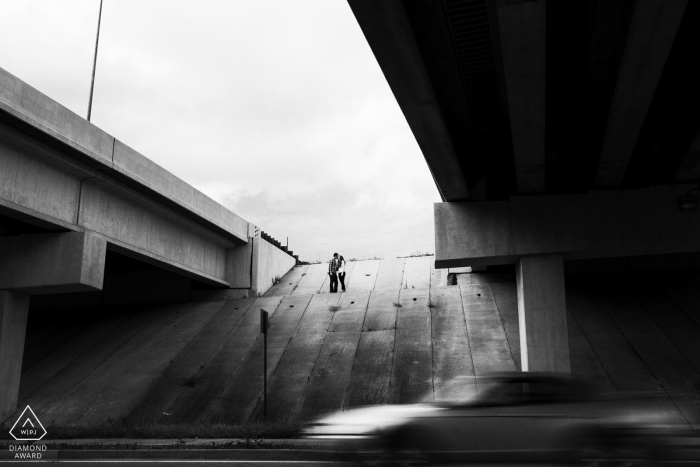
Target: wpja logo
(28, 428)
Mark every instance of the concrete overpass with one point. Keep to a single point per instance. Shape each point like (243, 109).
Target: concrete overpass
(562, 136)
(79, 208)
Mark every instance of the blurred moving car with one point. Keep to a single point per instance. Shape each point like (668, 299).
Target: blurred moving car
(518, 417)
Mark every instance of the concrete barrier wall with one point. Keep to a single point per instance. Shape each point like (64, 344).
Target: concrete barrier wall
(131, 163)
(251, 270)
(25, 103)
(137, 167)
(269, 262)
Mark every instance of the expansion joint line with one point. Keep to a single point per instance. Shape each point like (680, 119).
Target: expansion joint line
(80, 198)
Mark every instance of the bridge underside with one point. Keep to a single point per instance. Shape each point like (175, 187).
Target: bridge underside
(396, 336)
(554, 130)
(548, 97)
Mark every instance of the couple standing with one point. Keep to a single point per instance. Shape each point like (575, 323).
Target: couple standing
(336, 270)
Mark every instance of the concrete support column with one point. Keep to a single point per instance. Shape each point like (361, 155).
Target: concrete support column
(544, 336)
(14, 307)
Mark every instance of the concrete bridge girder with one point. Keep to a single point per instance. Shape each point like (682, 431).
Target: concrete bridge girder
(538, 233)
(133, 222)
(42, 184)
(600, 224)
(52, 263)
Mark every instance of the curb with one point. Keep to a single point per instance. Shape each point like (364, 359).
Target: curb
(204, 443)
(192, 454)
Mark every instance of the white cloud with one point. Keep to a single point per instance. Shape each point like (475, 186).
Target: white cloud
(277, 109)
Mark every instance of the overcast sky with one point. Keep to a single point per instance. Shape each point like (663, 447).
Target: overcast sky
(276, 109)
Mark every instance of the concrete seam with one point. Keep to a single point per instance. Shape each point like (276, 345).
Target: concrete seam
(137, 402)
(632, 346)
(354, 359)
(187, 308)
(252, 253)
(672, 342)
(21, 115)
(80, 199)
(164, 369)
(348, 276)
(94, 400)
(591, 345)
(432, 344)
(214, 354)
(466, 329)
(573, 318)
(682, 308)
(220, 391)
(308, 379)
(286, 346)
(393, 348)
(376, 275)
(670, 396)
(112, 325)
(500, 317)
(52, 407)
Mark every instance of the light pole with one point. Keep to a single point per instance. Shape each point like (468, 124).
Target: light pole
(94, 63)
(264, 326)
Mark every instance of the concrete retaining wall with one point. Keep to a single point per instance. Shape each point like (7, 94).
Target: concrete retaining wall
(269, 262)
(251, 271)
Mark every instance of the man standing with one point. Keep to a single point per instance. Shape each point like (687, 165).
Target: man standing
(333, 273)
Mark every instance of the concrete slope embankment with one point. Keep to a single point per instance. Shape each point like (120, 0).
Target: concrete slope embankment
(395, 336)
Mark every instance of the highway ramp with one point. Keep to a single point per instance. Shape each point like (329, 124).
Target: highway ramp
(395, 336)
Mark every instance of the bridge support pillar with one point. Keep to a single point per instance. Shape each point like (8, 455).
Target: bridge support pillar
(14, 307)
(39, 264)
(544, 336)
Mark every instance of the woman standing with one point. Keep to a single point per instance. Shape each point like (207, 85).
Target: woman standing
(341, 272)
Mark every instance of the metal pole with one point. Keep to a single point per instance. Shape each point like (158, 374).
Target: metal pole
(264, 324)
(94, 63)
(265, 377)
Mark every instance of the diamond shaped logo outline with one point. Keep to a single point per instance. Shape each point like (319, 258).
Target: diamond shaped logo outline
(21, 417)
